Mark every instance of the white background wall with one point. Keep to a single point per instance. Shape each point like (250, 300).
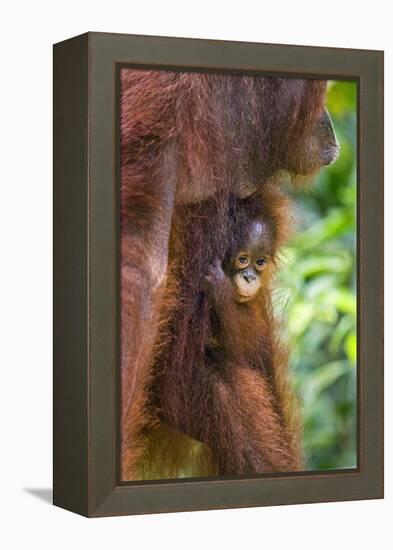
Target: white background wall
(27, 31)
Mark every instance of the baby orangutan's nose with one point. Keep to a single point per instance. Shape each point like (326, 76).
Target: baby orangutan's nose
(249, 277)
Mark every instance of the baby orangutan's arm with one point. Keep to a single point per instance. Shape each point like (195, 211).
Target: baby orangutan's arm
(219, 286)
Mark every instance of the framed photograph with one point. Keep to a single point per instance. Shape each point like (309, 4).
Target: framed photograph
(218, 274)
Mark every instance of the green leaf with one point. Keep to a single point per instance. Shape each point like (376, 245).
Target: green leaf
(350, 347)
(300, 317)
(346, 323)
(342, 98)
(324, 377)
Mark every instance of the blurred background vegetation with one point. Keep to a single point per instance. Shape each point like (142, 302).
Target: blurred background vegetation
(318, 279)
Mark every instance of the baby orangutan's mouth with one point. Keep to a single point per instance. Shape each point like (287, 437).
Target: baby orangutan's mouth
(243, 299)
(246, 287)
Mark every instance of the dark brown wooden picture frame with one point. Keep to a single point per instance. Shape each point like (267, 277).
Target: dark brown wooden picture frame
(86, 274)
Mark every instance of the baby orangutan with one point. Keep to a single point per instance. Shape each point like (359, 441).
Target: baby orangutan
(222, 378)
(238, 289)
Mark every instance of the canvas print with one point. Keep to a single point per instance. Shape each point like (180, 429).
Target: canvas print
(238, 274)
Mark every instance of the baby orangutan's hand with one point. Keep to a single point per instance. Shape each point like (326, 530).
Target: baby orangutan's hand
(215, 274)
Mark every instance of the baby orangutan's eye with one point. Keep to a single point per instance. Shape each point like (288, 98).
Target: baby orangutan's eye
(242, 261)
(260, 264)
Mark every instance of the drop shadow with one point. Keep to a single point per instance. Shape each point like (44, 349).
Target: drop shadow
(44, 494)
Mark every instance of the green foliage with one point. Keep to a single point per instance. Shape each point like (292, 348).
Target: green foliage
(319, 275)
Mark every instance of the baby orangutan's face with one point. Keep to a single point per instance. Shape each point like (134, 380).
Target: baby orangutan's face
(247, 266)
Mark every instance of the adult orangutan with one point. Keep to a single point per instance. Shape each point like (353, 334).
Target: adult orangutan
(201, 156)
